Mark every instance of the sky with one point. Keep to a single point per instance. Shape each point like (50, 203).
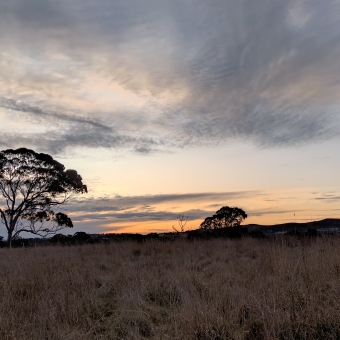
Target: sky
(180, 107)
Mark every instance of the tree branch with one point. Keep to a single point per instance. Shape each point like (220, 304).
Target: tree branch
(4, 218)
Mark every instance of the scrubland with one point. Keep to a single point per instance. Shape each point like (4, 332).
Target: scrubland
(216, 289)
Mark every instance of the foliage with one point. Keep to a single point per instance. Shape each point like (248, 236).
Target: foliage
(61, 239)
(31, 184)
(224, 217)
(79, 237)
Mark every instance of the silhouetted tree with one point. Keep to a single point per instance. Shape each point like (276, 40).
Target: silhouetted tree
(31, 185)
(225, 217)
(81, 237)
(182, 221)
(60, 238)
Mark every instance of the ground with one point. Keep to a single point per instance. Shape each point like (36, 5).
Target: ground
(284, 288)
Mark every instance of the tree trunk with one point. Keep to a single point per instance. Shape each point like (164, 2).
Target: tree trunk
(9, 239)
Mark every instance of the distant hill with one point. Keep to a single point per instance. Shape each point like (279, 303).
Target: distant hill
(328, 225)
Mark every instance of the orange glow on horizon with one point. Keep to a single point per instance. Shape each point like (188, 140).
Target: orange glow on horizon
(266, 207)
(147, 227)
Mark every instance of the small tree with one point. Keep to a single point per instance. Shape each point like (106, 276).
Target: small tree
(182, 221)
(31, 184)
(225, 217)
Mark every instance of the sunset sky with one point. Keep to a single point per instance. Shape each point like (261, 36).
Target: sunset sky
(178, 106)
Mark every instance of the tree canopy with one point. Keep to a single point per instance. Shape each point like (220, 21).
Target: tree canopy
(31, 184)
(224, 217)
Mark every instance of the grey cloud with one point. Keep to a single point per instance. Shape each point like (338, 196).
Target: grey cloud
(330, 197)
(275, 212)
(264, 72)
(129, 202)
(142, 216)
(143, 208)
(57, 142)
(143, 150)
(49, 115)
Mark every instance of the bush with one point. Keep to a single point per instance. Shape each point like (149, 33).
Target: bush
(62, 239)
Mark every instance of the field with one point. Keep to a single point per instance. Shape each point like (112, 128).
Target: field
(217, 289)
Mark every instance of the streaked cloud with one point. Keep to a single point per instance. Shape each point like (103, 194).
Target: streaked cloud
(163, 207)
(167, 207)
(329, 197)
(122, 202)
(158, 75)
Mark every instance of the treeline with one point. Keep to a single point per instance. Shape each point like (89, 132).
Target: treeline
(78, 238)
(190, 235)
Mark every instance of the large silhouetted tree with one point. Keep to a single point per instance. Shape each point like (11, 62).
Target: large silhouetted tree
(31, 185)
(225, 217)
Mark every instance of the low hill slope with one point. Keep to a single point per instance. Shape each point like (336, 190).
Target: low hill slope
(328, 225)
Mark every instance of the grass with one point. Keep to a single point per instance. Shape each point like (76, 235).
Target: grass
(218, 289)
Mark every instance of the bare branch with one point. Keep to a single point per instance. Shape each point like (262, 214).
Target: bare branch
(182, 221)
(3, 216)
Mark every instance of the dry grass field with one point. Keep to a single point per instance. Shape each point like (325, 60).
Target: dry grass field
(217, 289)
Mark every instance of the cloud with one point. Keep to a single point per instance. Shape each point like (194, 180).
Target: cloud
(329, 197)
(272, 207)
(14, 105)
(146, 201)
(153, 208)
(57, 142)
(130, 211)
(158, 75)
(142, 216)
